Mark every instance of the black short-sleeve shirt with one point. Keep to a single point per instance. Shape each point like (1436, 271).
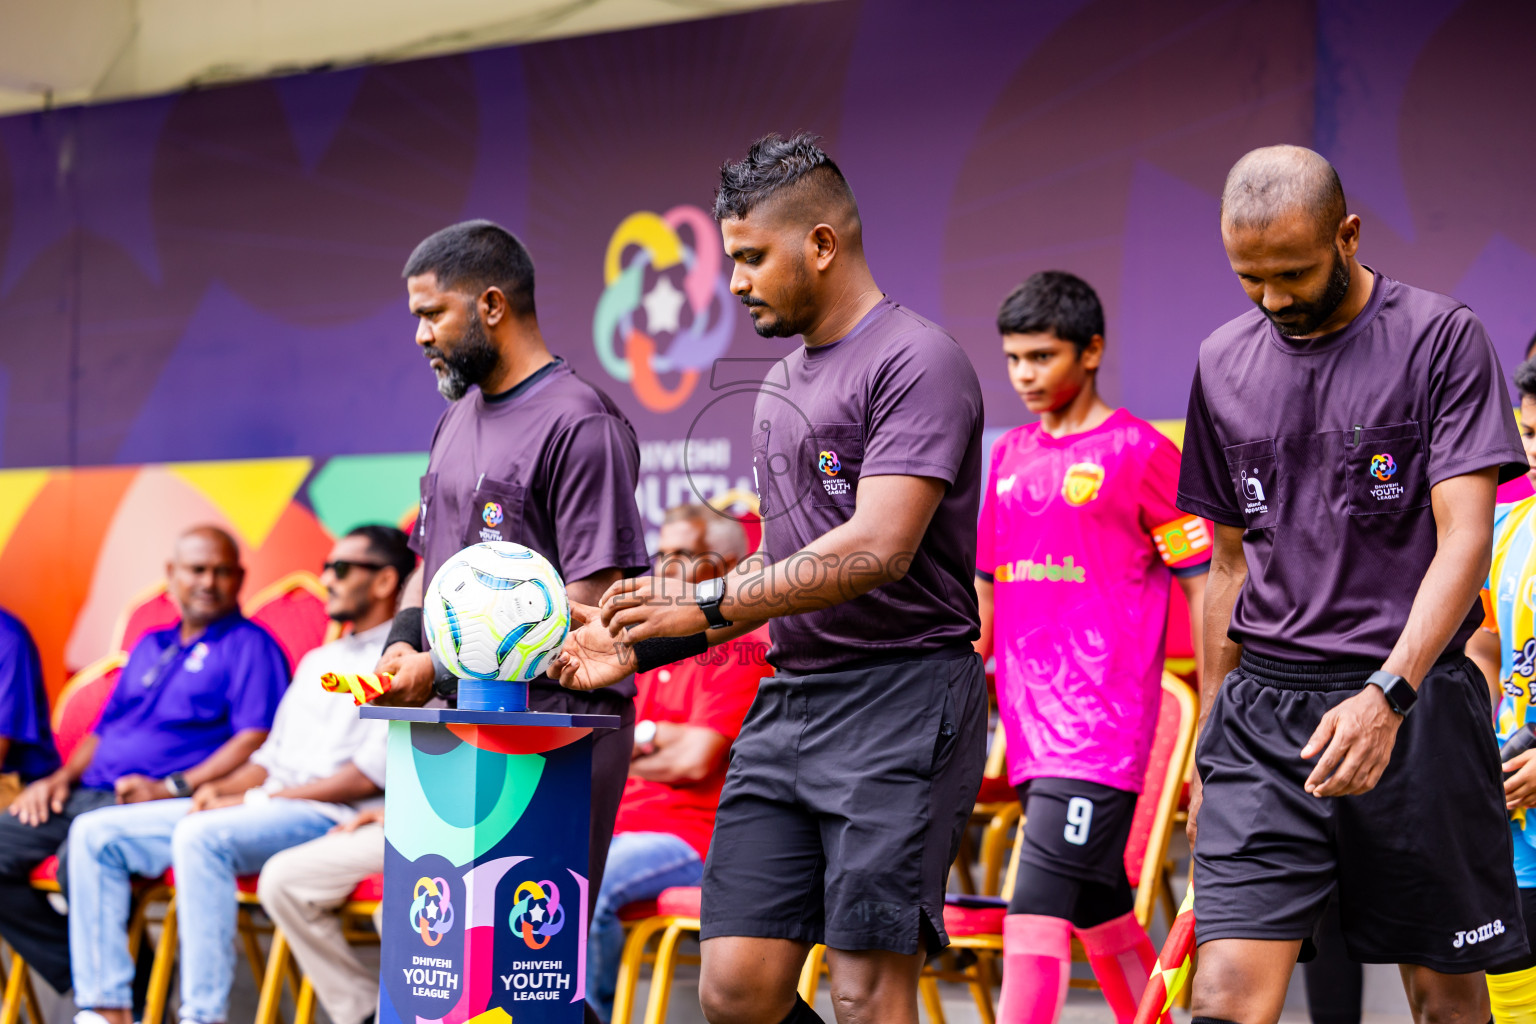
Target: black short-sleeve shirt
(552, 465)
(1325, 452)
(895, 396)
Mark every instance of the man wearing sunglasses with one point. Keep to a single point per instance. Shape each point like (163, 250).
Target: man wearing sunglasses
(193, 701)
(319, 766)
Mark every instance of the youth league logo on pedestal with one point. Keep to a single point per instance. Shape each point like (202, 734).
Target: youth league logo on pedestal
(485, 866)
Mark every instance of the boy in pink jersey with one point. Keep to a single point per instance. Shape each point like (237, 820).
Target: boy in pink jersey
(1079, 538)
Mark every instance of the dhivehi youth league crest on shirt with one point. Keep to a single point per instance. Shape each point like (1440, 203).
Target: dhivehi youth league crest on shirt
(1082, 482)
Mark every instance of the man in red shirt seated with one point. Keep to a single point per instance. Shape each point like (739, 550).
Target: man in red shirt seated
(686, 716)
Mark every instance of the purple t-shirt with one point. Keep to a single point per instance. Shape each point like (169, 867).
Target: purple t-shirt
(23, 704)
(177, 703)
(551, 465)
(895, 396)
(1326, 450)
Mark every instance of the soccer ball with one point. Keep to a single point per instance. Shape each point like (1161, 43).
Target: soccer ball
(496, 611)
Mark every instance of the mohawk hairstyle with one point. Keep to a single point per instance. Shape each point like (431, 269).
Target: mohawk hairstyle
(775, 164)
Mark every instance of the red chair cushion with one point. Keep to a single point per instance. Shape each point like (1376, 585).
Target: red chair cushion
(245, 883)
(1163, 741)
(680, 901)
(369, 890)
(81, 710)
(47, 871)
(638, 910)
(156, 612)
(296, 620)
(996, 791)
(970, 921)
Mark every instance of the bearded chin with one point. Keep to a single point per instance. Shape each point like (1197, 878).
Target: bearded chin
(473, 360)
(451, 384)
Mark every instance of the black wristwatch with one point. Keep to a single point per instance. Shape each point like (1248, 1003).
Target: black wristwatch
(1400, 696)
(177, 785)
(709, 595)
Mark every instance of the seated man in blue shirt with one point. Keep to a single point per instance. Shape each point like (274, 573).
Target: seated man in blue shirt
(192, 704)
(319, 762)
(26, 741)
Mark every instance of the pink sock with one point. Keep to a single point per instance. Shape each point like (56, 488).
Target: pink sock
(1037, 963)
(1122, 957)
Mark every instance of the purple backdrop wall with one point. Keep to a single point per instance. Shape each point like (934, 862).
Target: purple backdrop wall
(216, 275)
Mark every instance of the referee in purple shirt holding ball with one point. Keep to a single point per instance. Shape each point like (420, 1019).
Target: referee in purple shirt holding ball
(526, 452)
(858, 764)
(1346, 436)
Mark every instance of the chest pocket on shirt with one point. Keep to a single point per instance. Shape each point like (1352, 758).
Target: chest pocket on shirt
(428, 482)
(495, 512)
(1255, 473)
(1384, 469)
(834, 456)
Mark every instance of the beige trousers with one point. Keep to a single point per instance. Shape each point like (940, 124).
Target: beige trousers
(302, 889)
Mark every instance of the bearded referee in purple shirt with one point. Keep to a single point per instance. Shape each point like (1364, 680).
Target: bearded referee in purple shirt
(859, 762)
(528, 452)
(1346, 436)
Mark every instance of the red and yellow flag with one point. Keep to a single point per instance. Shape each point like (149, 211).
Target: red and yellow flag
(363, 688)
(1171, 972)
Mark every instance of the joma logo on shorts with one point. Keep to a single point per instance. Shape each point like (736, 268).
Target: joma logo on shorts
(1477, 935)
(875, 912)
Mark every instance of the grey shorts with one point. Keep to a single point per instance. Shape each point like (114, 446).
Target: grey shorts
(844, 804)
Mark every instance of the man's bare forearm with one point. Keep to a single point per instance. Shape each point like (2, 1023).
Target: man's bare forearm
(79, 760)
(348, 785)
(874, 547)
(1229, 571)
(235, 752)
(1443, 601)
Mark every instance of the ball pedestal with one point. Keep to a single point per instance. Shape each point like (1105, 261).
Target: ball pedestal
(485, 865)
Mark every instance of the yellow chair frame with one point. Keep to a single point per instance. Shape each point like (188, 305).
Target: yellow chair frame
(1154, 885)
(282, 969)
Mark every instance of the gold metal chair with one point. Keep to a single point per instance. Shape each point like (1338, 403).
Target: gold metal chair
(1146, 858)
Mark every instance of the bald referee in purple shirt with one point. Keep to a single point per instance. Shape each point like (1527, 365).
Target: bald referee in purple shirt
(1346, 436)
(527, 452)
(858, 764)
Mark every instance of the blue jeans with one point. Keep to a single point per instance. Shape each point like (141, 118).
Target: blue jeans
(640, 866)
(208, 849)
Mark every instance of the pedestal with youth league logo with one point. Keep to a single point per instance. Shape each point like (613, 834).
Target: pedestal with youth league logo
(485, 864)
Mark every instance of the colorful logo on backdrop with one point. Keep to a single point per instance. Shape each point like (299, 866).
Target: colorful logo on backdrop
(431, 910)
(492, 514)
(828, 463)
(537, 915)
(1082, 482)
(664, 314)
(1383, 466)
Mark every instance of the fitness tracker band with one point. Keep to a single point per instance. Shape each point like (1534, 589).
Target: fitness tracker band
(177, 785)
(709, 595)
(1400, 696)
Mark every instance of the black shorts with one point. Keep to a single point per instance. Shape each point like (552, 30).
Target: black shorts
(1421, 861)
(844, 804)
(1077, 829)
(1526, 962)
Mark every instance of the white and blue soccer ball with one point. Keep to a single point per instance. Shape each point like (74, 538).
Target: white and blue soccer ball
(496, 611)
